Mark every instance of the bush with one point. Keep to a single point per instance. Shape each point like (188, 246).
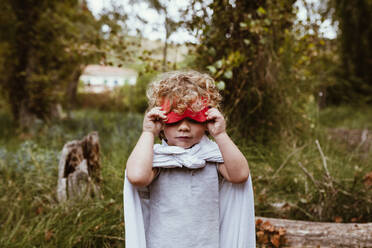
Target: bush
(135, 98)
(317, 182)
(101, 101)
(128, 98)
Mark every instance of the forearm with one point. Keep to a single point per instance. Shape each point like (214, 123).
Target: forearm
(139, 164)
(235, 165)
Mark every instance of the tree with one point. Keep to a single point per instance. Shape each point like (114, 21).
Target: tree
(109, 47)
(44, 47)
(46, 41)
(355, 34)
(170, 25)
(241, 44)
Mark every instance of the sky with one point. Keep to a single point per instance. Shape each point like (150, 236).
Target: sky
(154, 29)
(326, 27)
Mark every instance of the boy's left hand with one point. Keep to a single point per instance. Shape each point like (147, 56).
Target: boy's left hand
(216, 122)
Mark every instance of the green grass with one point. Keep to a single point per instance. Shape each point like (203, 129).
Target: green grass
(30, 215)
(347, 116)
(290, 193)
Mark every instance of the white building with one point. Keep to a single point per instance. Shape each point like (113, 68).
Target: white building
(99, 78)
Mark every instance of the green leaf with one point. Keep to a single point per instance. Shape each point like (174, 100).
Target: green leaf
(228, 74)
(212, 51)
(212, 69)
(243, 25)
(247, 41)
(219, 63)
(261, 11)
(221, 85)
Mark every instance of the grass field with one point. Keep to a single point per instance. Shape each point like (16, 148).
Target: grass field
(30, 215)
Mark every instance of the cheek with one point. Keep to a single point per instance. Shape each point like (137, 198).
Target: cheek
(200, 130)
(168, 131)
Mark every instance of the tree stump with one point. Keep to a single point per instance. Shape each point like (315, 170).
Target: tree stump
(321, 234)
(79, 170)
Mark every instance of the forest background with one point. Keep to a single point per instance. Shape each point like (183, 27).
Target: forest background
(298, 104)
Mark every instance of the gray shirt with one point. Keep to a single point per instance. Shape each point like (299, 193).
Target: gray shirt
(184, 208)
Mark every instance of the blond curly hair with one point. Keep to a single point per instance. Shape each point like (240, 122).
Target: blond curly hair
(182, 90)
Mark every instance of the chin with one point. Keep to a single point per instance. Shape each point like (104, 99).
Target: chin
(182, 144)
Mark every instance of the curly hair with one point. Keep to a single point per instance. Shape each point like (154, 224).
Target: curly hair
(180, 90)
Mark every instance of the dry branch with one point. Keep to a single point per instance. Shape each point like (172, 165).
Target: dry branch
(323, 159)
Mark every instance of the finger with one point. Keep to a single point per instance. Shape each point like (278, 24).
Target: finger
(213, 115)
(156, 113)
(157, 116)
(213, 111)
(157, 110)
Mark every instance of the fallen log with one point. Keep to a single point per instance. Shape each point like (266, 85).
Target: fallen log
(316, 234)
(79, 173)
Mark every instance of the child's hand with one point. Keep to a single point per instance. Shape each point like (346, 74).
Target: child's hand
(153, 121)
(216, 122)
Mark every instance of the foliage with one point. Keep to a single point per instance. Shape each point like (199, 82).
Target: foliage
(104, 101)
(355, 49)
(51, 39)
(262, 65)
(134, 96)
(320, 179)
(111, 48)
(170, 26)
(347, 117)
(268, 235)
(127, 98)
(44, 56)
(117, 47)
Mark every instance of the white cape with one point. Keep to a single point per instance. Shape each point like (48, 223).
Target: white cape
(237, 224)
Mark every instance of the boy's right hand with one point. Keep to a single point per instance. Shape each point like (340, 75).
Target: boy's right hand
(153, 120)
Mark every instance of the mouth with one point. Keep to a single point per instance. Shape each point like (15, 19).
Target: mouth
(183, 137)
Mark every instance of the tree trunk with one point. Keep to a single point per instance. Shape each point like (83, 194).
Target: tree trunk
(322, 234)
(167, 34)
(79, 169)
(25, 117)
(165, 51)
(71, 89)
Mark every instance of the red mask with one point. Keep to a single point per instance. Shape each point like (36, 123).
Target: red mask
(197, 116)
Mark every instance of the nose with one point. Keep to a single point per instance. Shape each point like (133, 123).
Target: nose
(184, 126)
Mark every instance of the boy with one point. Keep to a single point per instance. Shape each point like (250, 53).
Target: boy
(180, 182)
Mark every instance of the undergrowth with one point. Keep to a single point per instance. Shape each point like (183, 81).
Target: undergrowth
(30, 215)
(317, 178)
(310, 178)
